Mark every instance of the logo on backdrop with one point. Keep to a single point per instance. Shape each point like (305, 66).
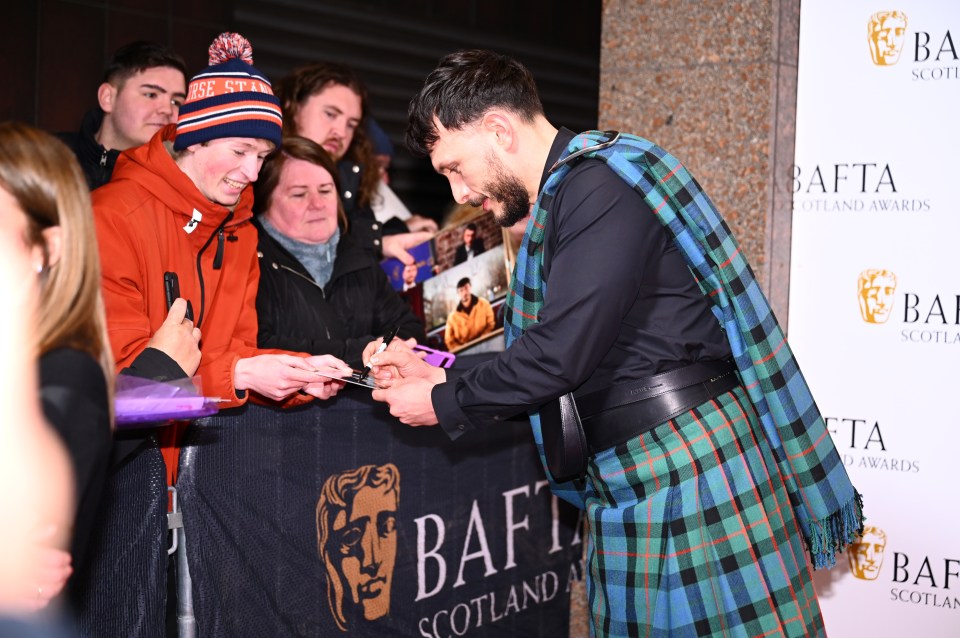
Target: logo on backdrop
(934, 53)
(852, 186)
(357, 540)
(861, 443)
(875, 291)
(927, 580)
(866, 555)
(886, 33)
(925, 318)
(917, 580)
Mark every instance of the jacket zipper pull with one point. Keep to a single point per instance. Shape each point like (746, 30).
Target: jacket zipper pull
(218, 258)
(103, 158)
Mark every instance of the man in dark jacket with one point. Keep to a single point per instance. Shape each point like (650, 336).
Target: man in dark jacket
(143, 87)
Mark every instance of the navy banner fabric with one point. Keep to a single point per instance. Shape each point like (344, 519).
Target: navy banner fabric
(336, 520)
(121, 589)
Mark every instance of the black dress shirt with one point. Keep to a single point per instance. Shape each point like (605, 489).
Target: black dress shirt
(619, 305)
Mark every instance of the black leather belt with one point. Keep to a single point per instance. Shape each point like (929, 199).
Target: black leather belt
(621, 412)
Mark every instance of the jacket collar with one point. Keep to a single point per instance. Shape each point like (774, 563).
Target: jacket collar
(473, 304)
(88, 148)
(560, 142)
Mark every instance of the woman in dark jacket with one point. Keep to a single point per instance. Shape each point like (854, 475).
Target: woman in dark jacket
(320, 291)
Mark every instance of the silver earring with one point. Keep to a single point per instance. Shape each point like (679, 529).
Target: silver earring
(39, 268)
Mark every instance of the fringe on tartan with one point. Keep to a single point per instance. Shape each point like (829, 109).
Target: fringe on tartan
(830, 535)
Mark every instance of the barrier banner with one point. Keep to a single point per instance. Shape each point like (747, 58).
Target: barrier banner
(121, 587)
(336, 520)
(875, 298)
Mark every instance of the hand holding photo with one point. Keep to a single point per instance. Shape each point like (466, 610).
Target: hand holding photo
(357, 377)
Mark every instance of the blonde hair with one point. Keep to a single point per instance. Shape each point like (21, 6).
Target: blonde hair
(43, 175)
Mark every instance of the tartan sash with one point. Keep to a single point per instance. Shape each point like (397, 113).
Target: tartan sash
(827, 506)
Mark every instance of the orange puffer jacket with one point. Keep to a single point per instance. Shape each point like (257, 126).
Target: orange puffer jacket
(151, 219)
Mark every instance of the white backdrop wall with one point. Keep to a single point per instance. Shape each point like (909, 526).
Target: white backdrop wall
(875, 296)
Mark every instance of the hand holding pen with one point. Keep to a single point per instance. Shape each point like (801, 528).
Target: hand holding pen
(382, 347)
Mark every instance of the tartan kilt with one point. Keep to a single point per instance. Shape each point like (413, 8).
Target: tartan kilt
(691, 533)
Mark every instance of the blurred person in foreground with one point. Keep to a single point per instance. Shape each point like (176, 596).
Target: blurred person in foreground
(35, 470)
(320, 291)
(708, 481)
(47, 209)
(47, 205)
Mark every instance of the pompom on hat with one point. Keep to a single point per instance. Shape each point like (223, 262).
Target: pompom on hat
(229, 98)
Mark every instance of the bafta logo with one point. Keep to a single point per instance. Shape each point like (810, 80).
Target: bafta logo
(357, 540)
(866, 556)
(886, 31)
(875, 289)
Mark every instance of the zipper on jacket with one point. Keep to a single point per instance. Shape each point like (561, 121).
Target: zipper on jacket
(217, 233)
(305, 278)
(103, 158)
(218, 258)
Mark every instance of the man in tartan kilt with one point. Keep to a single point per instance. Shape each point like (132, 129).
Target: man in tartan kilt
(711, 482)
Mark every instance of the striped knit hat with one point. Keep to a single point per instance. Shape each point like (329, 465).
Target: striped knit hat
(229, 98)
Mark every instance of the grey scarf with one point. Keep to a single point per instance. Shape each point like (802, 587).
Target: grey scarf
(317, 259)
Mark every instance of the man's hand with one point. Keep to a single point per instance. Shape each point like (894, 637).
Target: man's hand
(400, 362)
(409, 401)
(277, 376)
(396, 344)
(177, 337)
(398, 245)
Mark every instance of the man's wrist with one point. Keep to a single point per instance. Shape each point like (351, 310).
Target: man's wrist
(437, 376)
(450, 417)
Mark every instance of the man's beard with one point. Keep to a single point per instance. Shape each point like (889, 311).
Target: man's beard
(509, 191)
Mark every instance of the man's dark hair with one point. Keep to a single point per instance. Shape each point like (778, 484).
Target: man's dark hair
(471, 226)
(463, 87)
(138, 56)
(463, 282)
